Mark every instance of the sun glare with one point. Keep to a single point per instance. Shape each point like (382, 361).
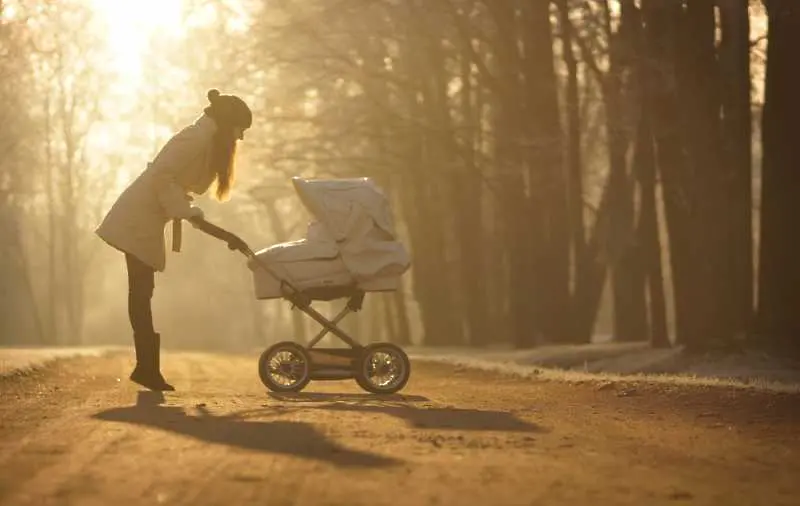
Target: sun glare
(130, 26)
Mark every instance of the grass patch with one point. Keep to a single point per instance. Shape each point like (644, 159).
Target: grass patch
(579, 377)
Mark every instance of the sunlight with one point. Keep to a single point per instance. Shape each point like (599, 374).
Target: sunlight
(130, 26)
(7, 12)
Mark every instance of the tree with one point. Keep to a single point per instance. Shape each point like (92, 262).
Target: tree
(67, 68)
(19, 311)
(779, 269)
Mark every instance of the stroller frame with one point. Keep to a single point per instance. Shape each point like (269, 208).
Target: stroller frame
(303, 300)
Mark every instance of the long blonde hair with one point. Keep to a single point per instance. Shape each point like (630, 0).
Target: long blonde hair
(223, 154)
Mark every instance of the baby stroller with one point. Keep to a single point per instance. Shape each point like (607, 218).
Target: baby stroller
(350, 249)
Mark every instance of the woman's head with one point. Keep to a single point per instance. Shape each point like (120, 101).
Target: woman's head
(232, 117)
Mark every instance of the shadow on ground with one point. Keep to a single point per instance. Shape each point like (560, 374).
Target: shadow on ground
(427, 417)
(285, 437)
(356, 398)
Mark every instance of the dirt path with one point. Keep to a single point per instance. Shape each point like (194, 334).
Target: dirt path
(77, 432)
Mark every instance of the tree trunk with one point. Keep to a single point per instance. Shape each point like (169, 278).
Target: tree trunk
(779, 267)
(547, 209)
(706, 183)
(625, 253)
(469, 213)
(425, 188)
(645, 170)
(581, 312)
(647, 233)
(52, 230)
(662, 19)
(737, 138)
(592, 278)
(519, 227)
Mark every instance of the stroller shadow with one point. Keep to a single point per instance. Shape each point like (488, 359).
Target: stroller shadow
(448, 418)
(330, 397)
(291, 438)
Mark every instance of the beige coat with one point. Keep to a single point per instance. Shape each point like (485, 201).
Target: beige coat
(135, 223)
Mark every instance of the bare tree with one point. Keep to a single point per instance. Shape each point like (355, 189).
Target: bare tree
(69, 77)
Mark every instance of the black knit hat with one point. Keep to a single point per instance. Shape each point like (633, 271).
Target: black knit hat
(228, 110)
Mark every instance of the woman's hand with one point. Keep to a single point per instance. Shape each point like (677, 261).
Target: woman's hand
(236, 243)
(195, 213)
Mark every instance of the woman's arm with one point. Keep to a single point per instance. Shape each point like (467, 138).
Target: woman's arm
(234, 241)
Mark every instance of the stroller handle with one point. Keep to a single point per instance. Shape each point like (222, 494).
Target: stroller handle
(220, 233)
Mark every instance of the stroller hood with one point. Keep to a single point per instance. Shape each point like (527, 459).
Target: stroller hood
(356, 215)
(339, 203)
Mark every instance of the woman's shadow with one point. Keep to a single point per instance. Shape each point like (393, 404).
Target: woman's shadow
(292, 438)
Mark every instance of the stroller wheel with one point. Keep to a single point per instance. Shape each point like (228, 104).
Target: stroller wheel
(383, 368)
(285, 367)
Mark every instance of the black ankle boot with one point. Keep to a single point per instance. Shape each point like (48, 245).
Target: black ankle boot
(148, 370)
(141, 346)
(157, 362)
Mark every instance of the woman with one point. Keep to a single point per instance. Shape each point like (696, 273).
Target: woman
(199, 156)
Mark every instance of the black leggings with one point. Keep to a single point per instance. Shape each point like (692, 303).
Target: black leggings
(141, 281)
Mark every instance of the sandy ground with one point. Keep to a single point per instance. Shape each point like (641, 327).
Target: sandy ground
(77, 432)
(14, 359)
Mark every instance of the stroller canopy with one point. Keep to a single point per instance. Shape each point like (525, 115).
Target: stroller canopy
(345, 205)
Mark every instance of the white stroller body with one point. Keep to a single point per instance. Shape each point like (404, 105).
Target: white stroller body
(350, 249)
(351, 244)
